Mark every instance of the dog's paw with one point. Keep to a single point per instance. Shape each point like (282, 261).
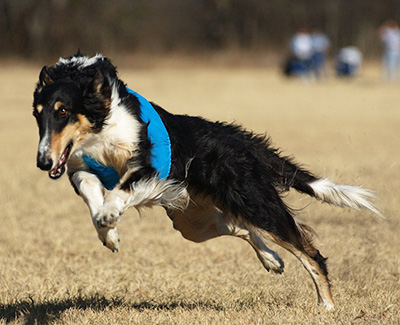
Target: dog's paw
(277, 268)
(271, 262)
(107, 218)
(109, 238)
(275, 265)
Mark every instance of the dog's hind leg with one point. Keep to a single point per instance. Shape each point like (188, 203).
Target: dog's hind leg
(314, 263)
(90, 189)
(201, 221)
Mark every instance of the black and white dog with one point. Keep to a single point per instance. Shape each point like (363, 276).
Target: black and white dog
(213, 179)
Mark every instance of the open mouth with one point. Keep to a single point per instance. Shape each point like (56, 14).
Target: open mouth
(59, 168)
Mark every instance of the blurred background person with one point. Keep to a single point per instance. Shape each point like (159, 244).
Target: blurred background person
(389, 34)
(348, 62)
(299, 63)
(320, 47)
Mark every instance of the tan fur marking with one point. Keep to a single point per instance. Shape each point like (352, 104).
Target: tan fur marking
(57, 105)
(60, 140)
(76, 132)
(118, 158)
(39, 108)
(84, 125)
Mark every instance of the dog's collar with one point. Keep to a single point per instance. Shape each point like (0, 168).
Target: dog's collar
(160, 151)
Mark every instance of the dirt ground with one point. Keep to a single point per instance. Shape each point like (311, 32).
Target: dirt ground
(53, 269)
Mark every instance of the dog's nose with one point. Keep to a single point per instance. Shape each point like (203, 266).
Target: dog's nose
(44, 163)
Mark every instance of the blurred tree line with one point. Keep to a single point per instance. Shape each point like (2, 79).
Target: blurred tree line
(37, 28)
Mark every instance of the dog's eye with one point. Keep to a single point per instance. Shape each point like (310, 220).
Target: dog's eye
(62, 111)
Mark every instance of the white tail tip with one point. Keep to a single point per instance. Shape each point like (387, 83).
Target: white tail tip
(354, 197)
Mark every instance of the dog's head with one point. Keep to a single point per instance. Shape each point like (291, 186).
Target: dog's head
(71, 101)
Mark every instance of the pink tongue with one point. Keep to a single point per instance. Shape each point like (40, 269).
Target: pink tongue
(57, 170)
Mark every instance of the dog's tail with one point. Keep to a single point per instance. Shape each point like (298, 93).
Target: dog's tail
(355, 197)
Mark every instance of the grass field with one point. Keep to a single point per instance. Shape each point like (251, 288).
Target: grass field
(53, 269)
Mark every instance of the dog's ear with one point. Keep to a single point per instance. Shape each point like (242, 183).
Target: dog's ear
(100, 85)
(96, 94)
(45, 78)
(98, 82)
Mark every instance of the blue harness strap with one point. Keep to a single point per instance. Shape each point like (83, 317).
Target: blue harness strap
(158, 136)
(160, 151)
(107, 175)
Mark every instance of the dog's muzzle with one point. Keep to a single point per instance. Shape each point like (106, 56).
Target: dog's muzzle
(43, 162)
(55, 168)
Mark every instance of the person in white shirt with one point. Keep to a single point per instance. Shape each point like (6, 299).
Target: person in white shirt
(389, 34)
(302, 50)
(349, 61)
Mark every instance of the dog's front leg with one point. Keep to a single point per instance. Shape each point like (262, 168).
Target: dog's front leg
(146, 192)
(91, 190)
(116, 202)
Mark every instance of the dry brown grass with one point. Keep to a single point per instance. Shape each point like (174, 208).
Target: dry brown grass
(53, 269)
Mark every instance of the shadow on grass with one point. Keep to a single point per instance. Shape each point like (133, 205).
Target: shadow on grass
(31, 312)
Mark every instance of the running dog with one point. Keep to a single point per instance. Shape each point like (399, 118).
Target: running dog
(212, 178)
